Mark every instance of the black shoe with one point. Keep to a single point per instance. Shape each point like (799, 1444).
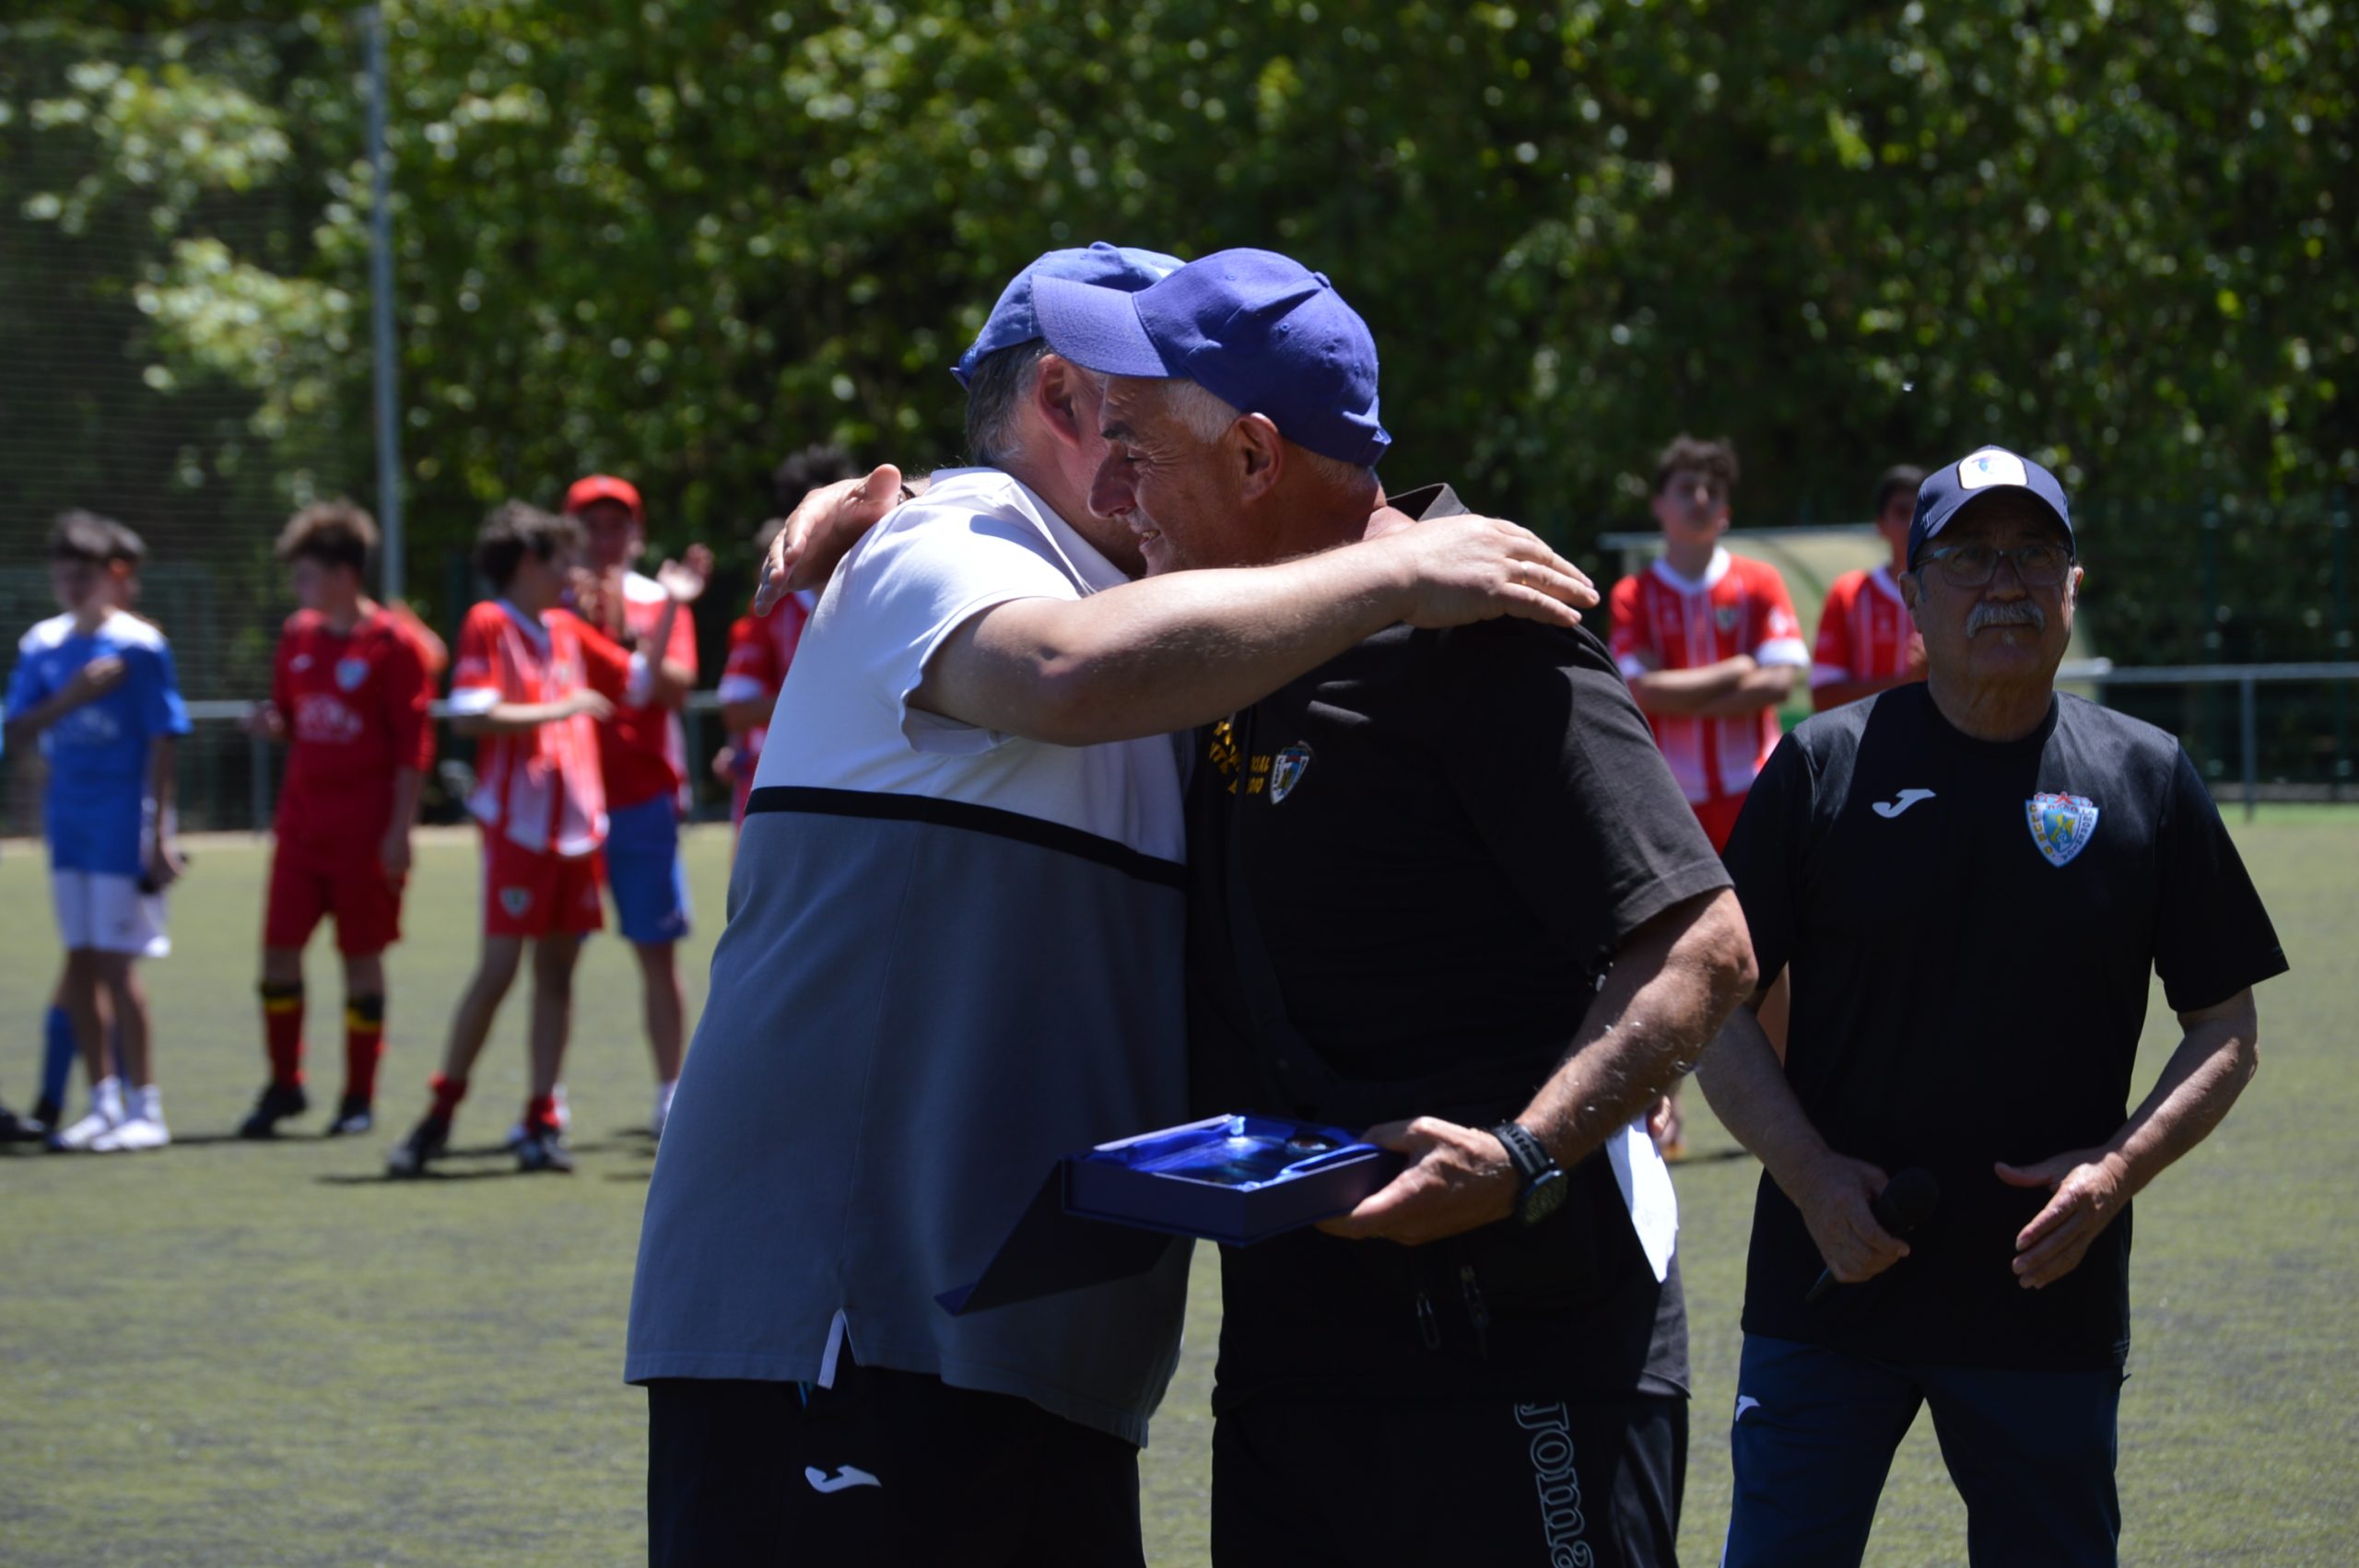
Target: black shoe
(353, 1115)
(429, 1140)
(543, 1149)
(278, 1101)
(15, 1128)
(46, 1115)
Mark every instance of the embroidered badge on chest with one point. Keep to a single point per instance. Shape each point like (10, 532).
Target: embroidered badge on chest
(1286, 770)
(2061, 825)
(1727, 617)
(351, 672)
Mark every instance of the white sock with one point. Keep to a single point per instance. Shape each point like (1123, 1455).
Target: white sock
(148, 1104)
(106, 1099)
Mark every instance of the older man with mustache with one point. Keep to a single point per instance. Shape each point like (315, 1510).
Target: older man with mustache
(1969, 882)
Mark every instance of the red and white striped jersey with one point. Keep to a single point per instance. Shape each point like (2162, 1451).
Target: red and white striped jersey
(1865, 632)
(540, 787)
(641, 749)
(761, 647)
(1664, 621)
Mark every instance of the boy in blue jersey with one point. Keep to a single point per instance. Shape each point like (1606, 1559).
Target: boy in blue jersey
(95, 684)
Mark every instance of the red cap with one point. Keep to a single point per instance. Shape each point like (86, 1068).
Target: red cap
(605, 487)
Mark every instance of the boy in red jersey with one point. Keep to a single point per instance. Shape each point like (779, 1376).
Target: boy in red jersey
(761, 647)
(1707, 639)
(530, 682)
(1710, 645)
(349, 694)
(642, 758)
(762, 642)
(1868, 641)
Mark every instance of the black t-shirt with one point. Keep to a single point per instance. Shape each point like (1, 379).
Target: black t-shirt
(1444, 836)
(1970, 928)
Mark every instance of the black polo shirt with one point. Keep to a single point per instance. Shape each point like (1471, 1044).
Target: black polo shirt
(1443, 837)
(1971, 926)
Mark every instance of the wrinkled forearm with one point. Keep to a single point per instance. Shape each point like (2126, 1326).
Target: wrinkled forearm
(1746, 1087)
(1671, 985)
(2215, 1058)
(1164, 654)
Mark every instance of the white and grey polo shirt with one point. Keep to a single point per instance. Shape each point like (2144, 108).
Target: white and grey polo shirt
(952, 956)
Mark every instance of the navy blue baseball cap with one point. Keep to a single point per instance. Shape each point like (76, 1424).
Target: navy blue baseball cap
(1259, 331)
(1950, 487)
(1011, 320)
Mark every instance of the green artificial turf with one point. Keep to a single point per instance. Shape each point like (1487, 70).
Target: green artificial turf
(232, 1353)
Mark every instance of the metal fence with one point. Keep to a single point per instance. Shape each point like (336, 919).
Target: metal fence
(2256, 732)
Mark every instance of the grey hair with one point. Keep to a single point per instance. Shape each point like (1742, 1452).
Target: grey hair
(1207, 417)
(996, 392)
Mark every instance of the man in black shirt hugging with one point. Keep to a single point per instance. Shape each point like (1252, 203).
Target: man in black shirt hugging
(1969, 882)
(1443, 887)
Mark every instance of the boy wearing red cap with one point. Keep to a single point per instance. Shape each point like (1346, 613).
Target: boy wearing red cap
(642, 756)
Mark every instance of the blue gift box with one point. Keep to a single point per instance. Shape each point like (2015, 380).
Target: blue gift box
(1235, 1179)
(1113, 1212)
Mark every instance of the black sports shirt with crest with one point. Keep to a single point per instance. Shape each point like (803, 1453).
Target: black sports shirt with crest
(1971, 926)
(1444, 835)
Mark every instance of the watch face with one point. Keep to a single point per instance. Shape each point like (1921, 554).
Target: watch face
(1543, 1198)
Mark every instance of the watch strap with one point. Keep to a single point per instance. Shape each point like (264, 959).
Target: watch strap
(1525, 1152)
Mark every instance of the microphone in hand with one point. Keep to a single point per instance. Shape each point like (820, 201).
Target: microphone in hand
(1906, 1201)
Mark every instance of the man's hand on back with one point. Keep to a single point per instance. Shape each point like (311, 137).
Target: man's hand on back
(821, 530)
(1461, 569)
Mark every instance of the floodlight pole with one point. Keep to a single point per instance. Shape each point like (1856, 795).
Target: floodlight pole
(381, 311)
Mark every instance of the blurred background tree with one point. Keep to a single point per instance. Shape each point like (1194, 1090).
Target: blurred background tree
(677, 240)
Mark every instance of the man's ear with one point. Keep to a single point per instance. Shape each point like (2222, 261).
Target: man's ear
(1261, 451)
(1054, 381)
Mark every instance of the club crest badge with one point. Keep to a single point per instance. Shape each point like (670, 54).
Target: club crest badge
(516, 900)
(2061, 825)
(1727, 616)
(1286, 770)
(351, 672)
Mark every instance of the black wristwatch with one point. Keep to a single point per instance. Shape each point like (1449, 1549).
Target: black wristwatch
(1542, 1178)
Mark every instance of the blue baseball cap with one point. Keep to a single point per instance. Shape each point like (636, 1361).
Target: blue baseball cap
(1949, 489)
(1106, 266)
(1256, 329)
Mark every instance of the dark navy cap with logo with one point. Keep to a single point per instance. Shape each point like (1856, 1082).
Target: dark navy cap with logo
(1259, 331)
(1953, 486)
(1011, 320)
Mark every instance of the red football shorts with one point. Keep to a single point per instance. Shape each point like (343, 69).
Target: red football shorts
(530, 893)
(1718, 818)
(367, 904)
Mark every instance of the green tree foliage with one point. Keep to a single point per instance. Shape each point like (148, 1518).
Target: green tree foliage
(678, 240)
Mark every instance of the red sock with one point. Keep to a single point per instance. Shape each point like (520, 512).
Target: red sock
(282, 1032)
(540, 1112)
(364, 1045)
(448, 1093)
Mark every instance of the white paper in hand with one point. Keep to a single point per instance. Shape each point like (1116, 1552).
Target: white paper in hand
(1645, 1181)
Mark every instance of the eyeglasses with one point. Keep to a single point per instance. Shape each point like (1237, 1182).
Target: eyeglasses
(1973, 566)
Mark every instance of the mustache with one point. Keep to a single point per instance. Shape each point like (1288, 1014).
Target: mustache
(2006, 613)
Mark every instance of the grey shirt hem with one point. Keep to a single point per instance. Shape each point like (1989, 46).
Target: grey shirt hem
(1130, 1425)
